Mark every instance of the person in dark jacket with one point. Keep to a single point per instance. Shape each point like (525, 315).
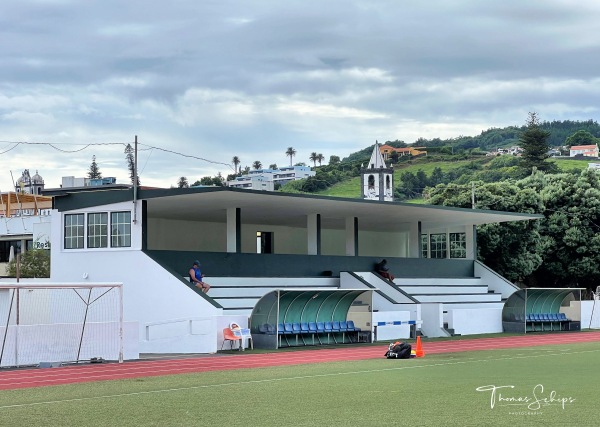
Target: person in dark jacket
(382, 269)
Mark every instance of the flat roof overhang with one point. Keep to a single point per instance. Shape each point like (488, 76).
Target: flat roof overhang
(284, 209)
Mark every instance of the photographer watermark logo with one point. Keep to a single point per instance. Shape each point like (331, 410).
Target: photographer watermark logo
(539, 398)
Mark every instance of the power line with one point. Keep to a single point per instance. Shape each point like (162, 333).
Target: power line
(95, 144)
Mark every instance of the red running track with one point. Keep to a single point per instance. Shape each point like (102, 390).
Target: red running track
(25, 378)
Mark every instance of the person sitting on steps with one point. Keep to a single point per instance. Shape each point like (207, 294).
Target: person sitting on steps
(382, 269)
(196, 277)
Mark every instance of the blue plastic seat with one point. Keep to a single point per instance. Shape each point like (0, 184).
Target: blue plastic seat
(328, 330)
(312, 329)
(263, 329)
(296, 330)
(335, 326)
(304, 327)
(288, 329)
(320, 330)
(280, 332)
(343, 326)
(352, 327)
(270, 329)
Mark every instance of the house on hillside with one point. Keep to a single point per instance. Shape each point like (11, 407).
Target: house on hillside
(266, 179)
(255, 245)
(584, 150)
(387, 150)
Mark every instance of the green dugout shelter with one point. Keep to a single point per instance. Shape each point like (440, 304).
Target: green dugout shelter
(290, 316)
(542, 309)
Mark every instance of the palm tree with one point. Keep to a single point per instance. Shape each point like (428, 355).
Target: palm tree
(290, 152)
(236, 162)
(320, 158)
(313, 158)
(257, 165)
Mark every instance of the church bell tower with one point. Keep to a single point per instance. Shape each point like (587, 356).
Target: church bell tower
(377, 179)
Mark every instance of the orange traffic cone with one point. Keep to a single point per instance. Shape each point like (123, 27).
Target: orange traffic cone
(419, 350)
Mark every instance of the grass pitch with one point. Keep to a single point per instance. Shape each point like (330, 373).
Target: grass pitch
(550, 385)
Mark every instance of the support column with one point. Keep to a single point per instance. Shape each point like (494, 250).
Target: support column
(352, 236)
(234, 228)
(313, 230)
(414, 240)
(471, 238)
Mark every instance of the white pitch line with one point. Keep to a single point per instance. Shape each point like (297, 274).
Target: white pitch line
(272, 380)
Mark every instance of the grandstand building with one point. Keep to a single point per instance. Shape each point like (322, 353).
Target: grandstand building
(255, 245)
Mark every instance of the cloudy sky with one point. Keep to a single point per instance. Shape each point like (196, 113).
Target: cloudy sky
(217, 79)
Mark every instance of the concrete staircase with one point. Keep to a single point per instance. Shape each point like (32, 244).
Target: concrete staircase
(239, 295)
(459, 292)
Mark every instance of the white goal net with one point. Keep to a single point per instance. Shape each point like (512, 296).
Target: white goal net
(60, 323)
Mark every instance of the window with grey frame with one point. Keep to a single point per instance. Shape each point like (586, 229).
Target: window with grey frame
(74, 231)
(437, 247)
(97, 230)
(458, 245)
(424, 246)
(120, 225)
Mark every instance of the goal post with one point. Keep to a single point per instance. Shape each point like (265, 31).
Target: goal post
(60, 323)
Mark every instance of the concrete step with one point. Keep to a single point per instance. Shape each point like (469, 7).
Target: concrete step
(273, 282)
(474, 304)
(447, 289)
(457, 298)
(437, 281)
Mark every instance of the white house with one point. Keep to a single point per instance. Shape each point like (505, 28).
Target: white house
(253, 242)
(265, 179)
(584, 150)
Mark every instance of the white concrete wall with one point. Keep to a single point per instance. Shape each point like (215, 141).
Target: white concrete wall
(167, 234)
(494, 281)
(392, 332)
(432, 315)
(383, 244)
(286, 240)
(475, 321)
(172, 317)
(19, 225)
(590, 314)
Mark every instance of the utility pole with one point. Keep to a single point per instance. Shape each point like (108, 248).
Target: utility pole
(135, 180)
(472, 195)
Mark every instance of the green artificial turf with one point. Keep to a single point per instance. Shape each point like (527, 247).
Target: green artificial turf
(438, 390)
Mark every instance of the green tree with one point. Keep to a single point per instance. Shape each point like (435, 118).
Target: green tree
(33, 264)
(129, 157)
(334, 160)
(320, 158)
(437, 176)
(94, 171)
(513, 249)
(290, 152)
(257, 165)
(183, 182)
(534, 142)
(571, 230)
(581, 137)
(236, 162)
(313, 158)
(273, 166)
